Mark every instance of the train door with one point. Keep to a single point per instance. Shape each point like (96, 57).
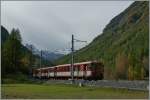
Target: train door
(84, 71)
(78, 70)
(55, 72)
(93, 69)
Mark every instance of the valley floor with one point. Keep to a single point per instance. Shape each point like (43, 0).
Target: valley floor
(60, 91)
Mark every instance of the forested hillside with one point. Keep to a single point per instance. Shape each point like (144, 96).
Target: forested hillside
(123, 46)
(17, 60)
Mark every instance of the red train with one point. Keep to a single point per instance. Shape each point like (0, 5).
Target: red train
(90, 70)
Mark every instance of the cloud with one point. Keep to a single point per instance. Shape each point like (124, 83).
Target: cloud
(50, 24)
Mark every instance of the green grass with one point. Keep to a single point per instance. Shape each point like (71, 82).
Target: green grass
(41, 91)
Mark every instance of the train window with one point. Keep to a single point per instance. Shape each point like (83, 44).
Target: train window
(68, 68)
(88, 67)
(76, 68)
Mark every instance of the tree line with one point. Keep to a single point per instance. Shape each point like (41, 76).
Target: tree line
(14, 56)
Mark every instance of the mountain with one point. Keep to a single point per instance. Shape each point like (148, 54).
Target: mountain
(124, 40)
(4, 34)
(50, 56)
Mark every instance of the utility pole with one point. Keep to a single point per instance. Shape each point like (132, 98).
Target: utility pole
(72, 59)
(41, 59)
(31, 62)
(41, 62)
(72, 56)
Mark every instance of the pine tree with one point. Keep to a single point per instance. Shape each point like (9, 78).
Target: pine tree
(11, 53)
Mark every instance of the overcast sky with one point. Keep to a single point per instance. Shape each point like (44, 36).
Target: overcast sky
(49, 24)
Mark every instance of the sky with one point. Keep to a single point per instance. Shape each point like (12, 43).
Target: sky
(48, 25)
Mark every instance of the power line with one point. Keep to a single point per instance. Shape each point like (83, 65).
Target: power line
(80, 40)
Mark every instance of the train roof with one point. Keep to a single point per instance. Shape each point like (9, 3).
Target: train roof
(87, 62)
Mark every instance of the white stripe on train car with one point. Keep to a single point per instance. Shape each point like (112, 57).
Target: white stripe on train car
(88, 73)
(63, 73)
(81, 73)
(51, 74)
(76, 73)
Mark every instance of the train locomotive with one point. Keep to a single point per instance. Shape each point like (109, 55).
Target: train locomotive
(91, 70)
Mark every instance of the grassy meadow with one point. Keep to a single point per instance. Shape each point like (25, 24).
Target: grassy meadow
(58, 91)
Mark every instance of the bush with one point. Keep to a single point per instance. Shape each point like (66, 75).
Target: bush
(17, 78)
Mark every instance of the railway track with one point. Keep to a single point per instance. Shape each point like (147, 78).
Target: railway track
(131, 85)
